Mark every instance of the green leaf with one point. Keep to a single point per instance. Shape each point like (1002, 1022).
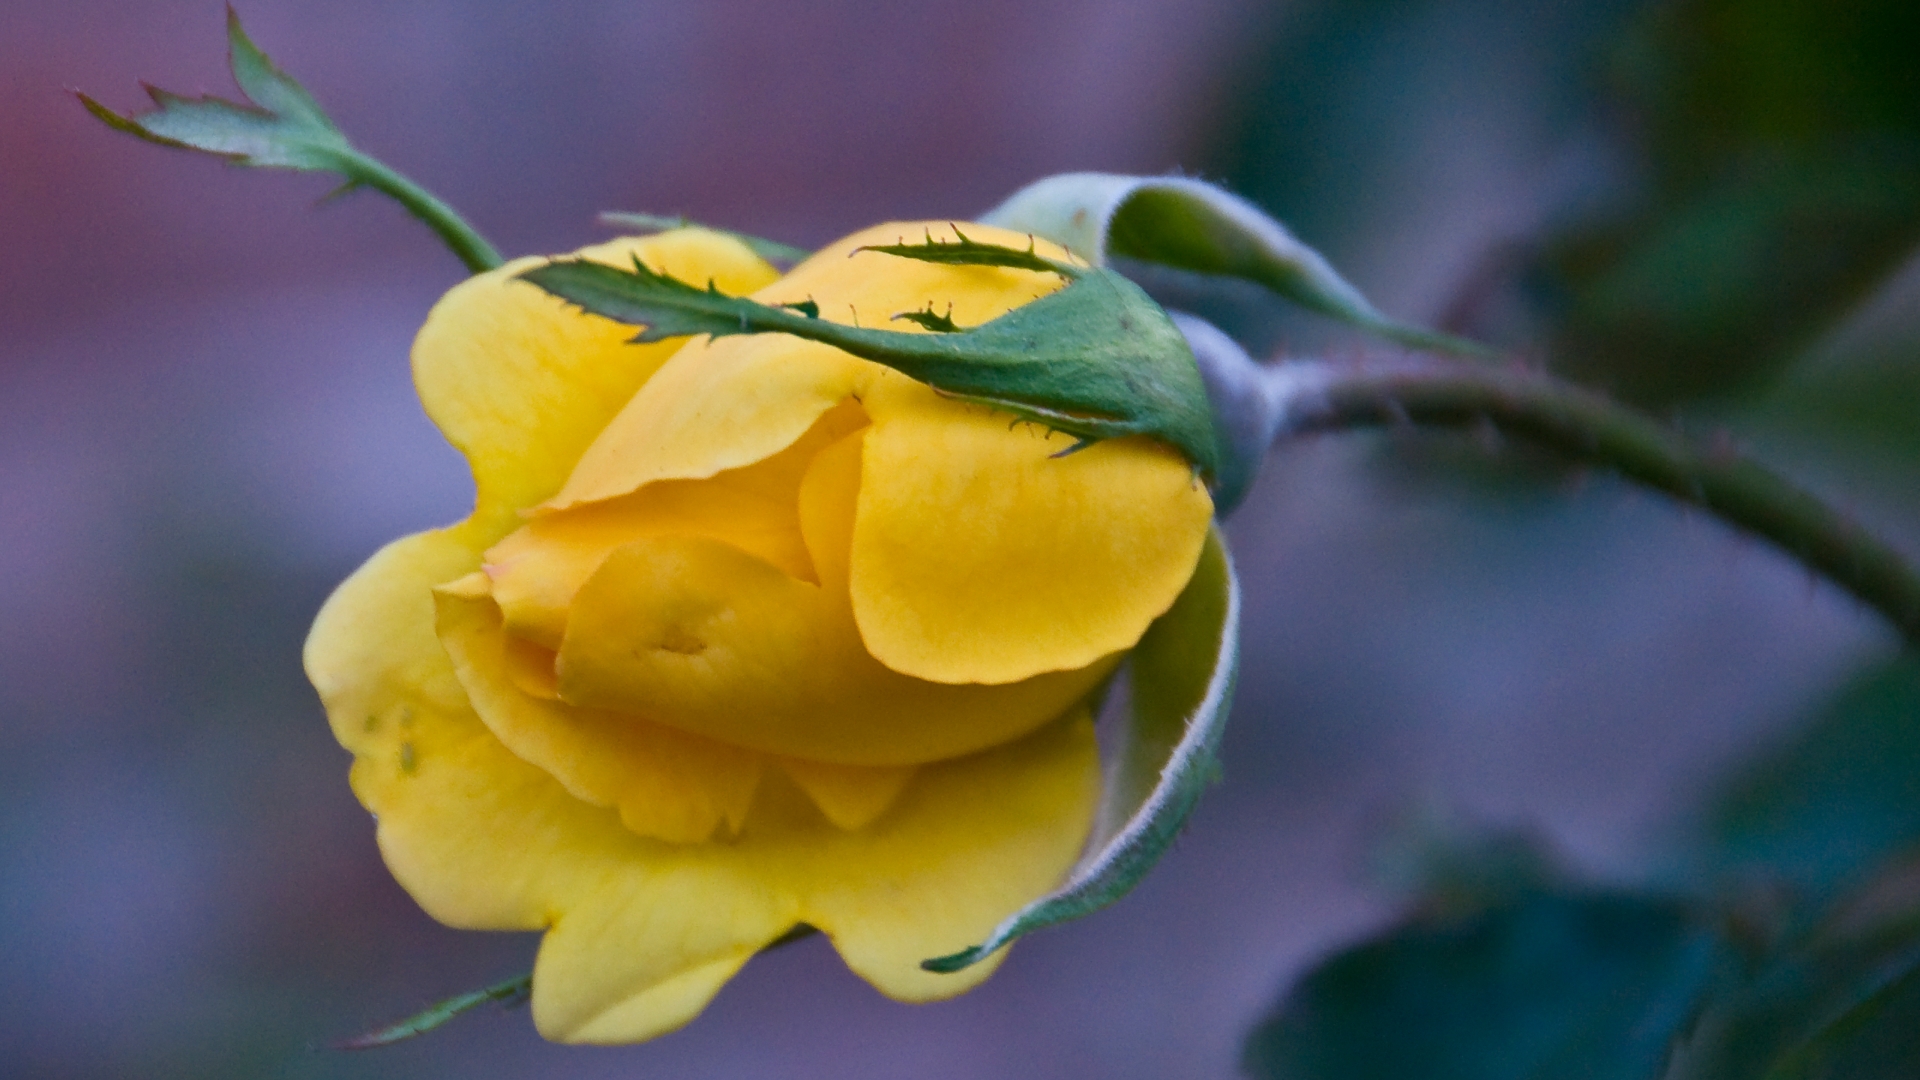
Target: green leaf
(775, 252)
(511, 992)
(1841, 1003)
(1777, 151)
(1193, 225)
(1589, 985)
(1181, 677)
(1097, 359)
(1858, 411)
(281, 127)
(1825, 809)
(1877, 1037)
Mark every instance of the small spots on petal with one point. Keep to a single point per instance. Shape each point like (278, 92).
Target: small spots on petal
(682, 641)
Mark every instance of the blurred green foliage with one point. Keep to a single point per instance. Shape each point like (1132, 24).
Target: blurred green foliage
(1766, 157)
(1769, 183)
(1777, 146)
(1824, 810)
(1539, 984)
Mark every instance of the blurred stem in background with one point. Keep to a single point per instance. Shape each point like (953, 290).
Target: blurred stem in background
(1587, 428)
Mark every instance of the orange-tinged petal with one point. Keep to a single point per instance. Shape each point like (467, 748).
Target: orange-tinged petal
(520, 382)
(722, 404)
(981, 554)
(697, 634)
(665, 783)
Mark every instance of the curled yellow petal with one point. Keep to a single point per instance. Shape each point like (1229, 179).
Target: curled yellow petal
(981, 554)
(664, 783)
(521, 383)
(537, 569)
(698, 634)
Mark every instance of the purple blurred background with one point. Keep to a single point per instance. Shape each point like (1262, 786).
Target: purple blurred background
(206, 422)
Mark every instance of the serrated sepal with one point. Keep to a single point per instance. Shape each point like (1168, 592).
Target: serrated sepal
(1193, 225)
(1181, 679)
(1097, 359)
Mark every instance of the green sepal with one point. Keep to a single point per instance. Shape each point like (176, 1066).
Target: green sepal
(775, 252)
(281, 127)
(1097, 359)
(966, 251)
(1193, 225)
(511, 992)
(1181, 684)
(930, 320)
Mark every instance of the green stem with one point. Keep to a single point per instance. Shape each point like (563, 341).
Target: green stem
(453, 230)
(510, 992)
(1327, 396)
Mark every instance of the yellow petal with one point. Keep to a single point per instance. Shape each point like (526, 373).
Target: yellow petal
(851, 796)
(520, 382)
(722, 404)
(537, 569)
(979, 555)
(968, 843)
(644, 932)
(666, 784)
(697, 634)
(481, 839)
(641, 951)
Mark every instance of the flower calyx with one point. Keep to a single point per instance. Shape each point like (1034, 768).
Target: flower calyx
(1096, 359)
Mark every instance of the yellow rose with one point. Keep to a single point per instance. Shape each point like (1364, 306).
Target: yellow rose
(742, 635)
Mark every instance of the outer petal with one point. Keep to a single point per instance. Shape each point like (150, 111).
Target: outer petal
(969, 841)
(520, 383)
(723, 404)
(981, 834)
(665, 783)
(467, 828)
(982, 555)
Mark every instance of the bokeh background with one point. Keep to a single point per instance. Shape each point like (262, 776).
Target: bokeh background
(1707, 207)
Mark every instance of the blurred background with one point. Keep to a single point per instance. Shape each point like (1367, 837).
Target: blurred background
(1706, 207)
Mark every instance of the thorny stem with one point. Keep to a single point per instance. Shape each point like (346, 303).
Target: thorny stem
(1322, 396)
